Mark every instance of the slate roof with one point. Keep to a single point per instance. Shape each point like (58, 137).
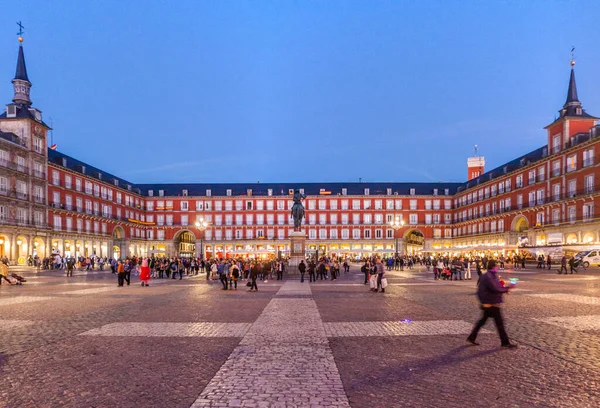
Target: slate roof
(23, 112)
(21, 72)
(279, 189)
(56, 158)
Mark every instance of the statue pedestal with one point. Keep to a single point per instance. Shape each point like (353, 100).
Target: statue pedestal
(297, 251)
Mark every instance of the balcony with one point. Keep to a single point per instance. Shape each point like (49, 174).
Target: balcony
(13, 166)
(39, 174)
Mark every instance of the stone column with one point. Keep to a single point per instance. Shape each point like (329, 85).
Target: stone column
(13, 249)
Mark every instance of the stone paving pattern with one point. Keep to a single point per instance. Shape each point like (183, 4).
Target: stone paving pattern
(83, 342)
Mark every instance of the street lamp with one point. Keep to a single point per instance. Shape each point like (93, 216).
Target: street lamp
(201, 225)
(397, 224)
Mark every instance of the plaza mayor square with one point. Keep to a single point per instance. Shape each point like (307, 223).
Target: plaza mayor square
(366, 204)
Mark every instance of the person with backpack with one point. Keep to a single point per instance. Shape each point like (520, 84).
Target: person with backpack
(224, 274)
(253, 276)
(311, 271)
(365, 269)
(234, 276)
(120, 273)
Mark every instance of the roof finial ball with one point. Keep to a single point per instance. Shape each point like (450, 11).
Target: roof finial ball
(21, 32)
(572, 56)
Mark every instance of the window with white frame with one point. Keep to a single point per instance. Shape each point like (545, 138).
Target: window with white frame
(588, 211)
(356, 233)
(184, 206)
(588, 157)
(413, 219)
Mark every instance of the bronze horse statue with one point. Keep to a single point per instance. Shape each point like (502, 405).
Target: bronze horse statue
(298, 210)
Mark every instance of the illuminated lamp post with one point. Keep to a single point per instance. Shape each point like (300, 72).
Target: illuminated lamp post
(397, 224)
(201, 225)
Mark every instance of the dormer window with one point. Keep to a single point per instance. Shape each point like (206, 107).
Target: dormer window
(367, 191)
(249, 192)
(99, 176)
(344, 191)
(129, 187)
(578, 110)
(228, 192)
(161, 193)
(389, 191)
(184, 193)
(270, 192)
(208, 193)
(116, 182)
(11, 111)
(435, 191)
(412, 191)
(150, 193)
(64, 162)
(83, 169)
(446, 191)
(301, 191)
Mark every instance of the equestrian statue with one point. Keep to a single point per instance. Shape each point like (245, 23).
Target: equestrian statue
(298, 210)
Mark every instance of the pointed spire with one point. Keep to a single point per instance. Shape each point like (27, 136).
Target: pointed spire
(572, 98)
(21, 82)
(21, 67)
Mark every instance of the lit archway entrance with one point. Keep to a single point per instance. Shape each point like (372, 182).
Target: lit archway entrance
(4, 245)
(414, 241)
(520, 224)
(118, 242)
(185, 243)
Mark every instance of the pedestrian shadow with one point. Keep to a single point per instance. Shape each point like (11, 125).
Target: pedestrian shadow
(407, 371)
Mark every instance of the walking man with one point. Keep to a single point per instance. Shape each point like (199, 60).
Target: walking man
(563, 265)
(490, 293)
(302, 269)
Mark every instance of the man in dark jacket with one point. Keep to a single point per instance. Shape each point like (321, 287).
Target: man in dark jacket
(490, 292)
(302, 269)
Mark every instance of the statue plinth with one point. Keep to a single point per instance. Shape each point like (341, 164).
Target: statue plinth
(297, 251)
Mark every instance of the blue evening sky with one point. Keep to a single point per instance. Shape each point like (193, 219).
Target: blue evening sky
(271, 91)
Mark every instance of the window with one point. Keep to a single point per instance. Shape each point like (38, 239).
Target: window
(239, 219)
(427, 218)
(344, 191)
(556, 192)
(228, 192)
(531, 198)
(378, 218)
(378, 204)
(333, 234)
(333, 219)
(367, 218)
(333, 205)
(572, 211)
(169, 219)
(345, 233)
(413, 204)
(199, 206)
(520, 201)
(540, 196)
(427, 205)
(55, 177)
(218, 206)
(208, 193)
(228, 219)
(228, 205)
(355, 219)
(322, 219)
(398, 204)
(589, 184)
(588, 212)
(356, 204)
(356, 233)
(571, 163)
(556, 168)
(588, 157)
(270, 205)
(539, 219)
(572, 188)
(367, 233)
(519, 181)
(413, 219)
(447, 204)
(184, 206)
(260, 205)
(556, 143)
(344, 219)
(322, 233)
(280, 205)
(556, 216)
(344, 204)
(312, 219)
(249, 219)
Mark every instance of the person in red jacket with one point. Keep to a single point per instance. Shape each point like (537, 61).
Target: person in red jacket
(145, 273)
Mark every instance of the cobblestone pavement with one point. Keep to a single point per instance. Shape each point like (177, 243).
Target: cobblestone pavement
(84, 342)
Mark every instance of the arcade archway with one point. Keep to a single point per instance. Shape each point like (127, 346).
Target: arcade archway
(185, 243)
(414, 241)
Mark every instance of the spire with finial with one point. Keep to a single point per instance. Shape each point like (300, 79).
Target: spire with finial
(572, 106)
(21, 82)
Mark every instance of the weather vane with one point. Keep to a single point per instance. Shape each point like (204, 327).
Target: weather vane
(573, 56)
(21, 32)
